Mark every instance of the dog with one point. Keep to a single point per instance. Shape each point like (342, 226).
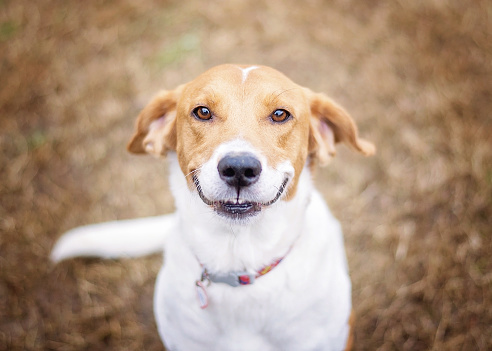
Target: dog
(253, 258)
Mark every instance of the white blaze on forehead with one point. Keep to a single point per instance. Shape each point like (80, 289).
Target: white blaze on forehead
(246, 71)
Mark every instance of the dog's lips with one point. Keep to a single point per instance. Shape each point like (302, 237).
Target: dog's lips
(239, 208)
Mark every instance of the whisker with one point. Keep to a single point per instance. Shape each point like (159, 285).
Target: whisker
(200, 191)
(284, 91)
(193, 171)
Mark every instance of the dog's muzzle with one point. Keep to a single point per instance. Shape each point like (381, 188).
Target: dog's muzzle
(239, 171)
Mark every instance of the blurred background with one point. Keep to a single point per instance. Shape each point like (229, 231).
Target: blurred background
(415, 75)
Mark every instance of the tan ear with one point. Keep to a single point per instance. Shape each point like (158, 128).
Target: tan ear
(331, 124)
(155, 129)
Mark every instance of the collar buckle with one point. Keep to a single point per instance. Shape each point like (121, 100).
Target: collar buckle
(231, 278)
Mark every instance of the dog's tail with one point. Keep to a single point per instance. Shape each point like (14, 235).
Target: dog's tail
(126, 238)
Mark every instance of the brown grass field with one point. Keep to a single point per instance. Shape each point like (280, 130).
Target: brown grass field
(415, 75)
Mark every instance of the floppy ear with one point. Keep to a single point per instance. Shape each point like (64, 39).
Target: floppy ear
(331, 124)
(155, 129)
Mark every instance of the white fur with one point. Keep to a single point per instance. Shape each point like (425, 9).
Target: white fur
(246, 72)
(302, 304)
(126, 238)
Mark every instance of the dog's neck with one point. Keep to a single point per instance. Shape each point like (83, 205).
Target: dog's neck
(222, 246)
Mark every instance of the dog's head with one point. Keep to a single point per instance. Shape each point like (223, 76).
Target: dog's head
(243, 135)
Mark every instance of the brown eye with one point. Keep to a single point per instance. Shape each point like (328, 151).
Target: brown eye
(280, 115)
(202, 113)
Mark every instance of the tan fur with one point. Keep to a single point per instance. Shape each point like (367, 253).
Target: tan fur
(164, 136)
(331, 124)
(350, 339)
(242, 110)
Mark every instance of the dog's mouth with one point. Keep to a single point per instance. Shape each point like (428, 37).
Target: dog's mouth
(239, 208)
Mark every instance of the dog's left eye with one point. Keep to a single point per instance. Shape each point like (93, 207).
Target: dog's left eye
(202, 113)
(280, 115)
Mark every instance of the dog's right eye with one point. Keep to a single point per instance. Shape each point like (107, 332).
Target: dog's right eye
(202, 113)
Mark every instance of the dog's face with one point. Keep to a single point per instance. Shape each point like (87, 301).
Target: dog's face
(243, 135)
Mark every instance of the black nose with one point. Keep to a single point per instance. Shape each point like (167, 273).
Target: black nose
(239, 169)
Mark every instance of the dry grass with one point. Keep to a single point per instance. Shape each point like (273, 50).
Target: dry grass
(416, 75)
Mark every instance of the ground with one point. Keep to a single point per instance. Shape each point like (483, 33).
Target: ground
(415, 75)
